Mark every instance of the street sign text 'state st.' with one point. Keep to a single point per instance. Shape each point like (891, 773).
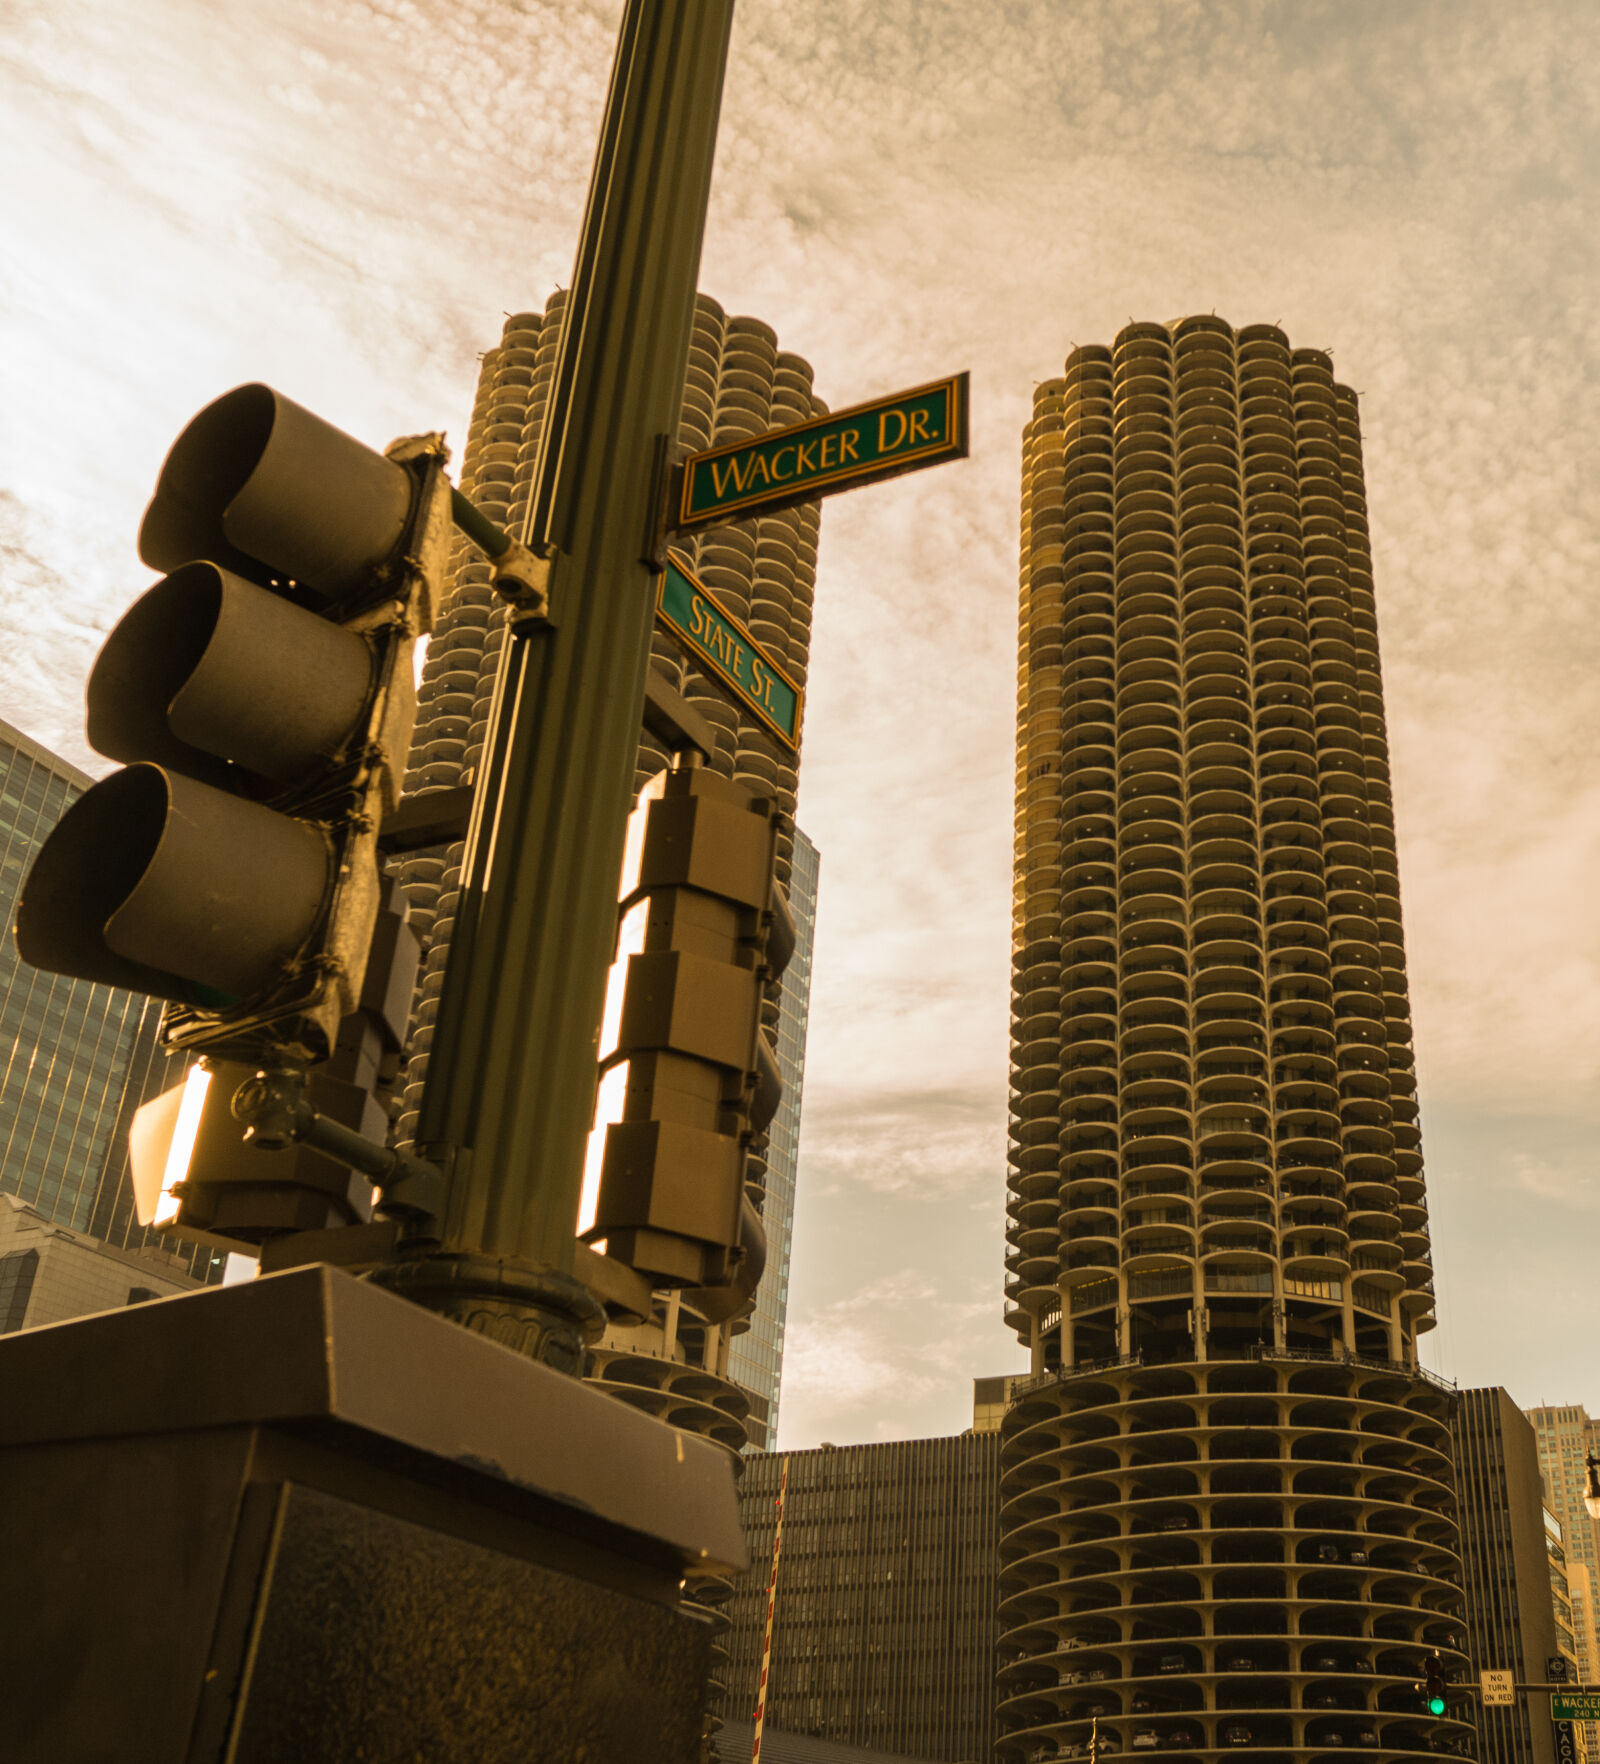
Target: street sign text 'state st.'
(720, 643)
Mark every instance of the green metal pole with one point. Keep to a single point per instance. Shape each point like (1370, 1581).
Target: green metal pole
(509, 1094)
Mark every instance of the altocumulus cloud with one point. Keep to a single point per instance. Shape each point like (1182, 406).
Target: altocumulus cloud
(345, 203)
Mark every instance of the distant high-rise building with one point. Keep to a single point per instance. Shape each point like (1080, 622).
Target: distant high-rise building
(884, 1619)
(1565, 1436)
(76, 1060)
(755, 1359)
(1227, 1512)
(1506, 1563)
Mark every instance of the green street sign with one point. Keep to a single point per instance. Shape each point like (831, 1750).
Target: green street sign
(1575, 1706)
(838, 452)
(720, 643)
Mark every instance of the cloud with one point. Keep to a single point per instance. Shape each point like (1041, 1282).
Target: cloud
(1570, 1188)
(347, 201)
(931, 1144)
(891, 1360)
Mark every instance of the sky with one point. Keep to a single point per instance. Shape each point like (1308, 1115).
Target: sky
(344, 197)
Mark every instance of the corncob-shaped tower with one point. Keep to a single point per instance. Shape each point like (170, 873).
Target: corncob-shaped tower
(1227, 1512)
(764, 571)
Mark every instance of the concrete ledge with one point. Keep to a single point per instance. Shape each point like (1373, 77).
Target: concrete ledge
(315, 1348)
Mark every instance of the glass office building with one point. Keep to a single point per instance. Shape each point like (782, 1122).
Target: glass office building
(755, 1359)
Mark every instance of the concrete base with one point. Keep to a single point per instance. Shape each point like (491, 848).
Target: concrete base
(302, 1519)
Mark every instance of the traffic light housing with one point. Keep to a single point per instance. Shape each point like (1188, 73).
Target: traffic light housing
(1433, 1696)
(688, 1077)
(195, 1175)
(262, 695)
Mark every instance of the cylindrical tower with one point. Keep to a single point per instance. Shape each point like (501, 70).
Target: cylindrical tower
(738, 383)
(1227, 1492)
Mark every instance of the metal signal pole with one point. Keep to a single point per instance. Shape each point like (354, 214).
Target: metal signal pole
(509, 1094)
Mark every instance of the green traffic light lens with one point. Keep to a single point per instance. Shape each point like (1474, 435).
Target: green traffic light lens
(1435, 1705)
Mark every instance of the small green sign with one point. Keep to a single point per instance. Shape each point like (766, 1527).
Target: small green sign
(1575, 1706)
(837, 452)
(690, 612)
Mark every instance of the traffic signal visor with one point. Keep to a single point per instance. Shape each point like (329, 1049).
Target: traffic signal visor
(262, 696)
(161, 1143)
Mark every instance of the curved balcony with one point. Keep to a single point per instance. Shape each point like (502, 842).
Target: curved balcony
(1275, 1603)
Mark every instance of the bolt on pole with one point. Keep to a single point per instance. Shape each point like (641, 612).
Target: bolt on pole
(509, 1094)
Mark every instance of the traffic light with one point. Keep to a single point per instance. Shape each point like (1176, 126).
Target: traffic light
(688, 1078)
(262, 696)
(196, 1175)
(1433, 1684)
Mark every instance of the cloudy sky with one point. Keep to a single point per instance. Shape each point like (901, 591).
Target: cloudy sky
(343, 197)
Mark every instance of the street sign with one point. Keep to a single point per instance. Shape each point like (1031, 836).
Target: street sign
(689, 610)
(1499, 1688)
(851, 447)
(1574, 1705)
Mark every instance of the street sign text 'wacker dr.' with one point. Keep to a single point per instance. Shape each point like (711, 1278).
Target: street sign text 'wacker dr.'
(852, 447)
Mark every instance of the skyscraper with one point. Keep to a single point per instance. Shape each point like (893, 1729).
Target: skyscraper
(1511, 1606)
(676, 1363)
(1227, 1491)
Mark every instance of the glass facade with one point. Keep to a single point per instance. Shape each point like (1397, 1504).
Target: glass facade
(755, 1359)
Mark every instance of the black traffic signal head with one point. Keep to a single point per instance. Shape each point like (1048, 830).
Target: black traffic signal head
(1433, 1696)
(262, 695)
(687, 1079)
(261, 487)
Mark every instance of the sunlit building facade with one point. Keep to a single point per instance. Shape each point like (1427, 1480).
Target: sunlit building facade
(675, 1364)
(1565, 1436)
(883, 1614)
(1507, 1565)
(1227, 1490)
